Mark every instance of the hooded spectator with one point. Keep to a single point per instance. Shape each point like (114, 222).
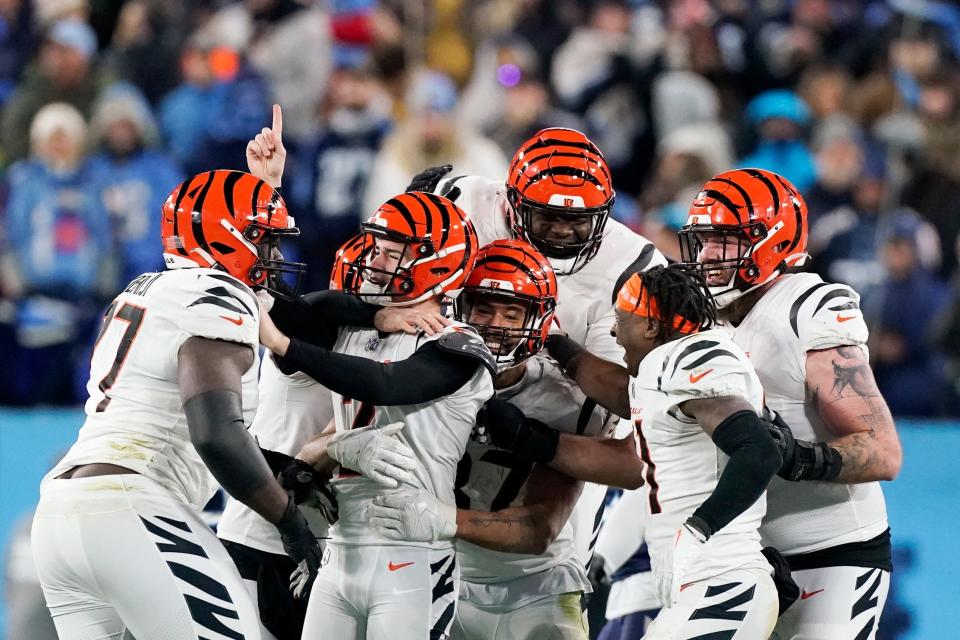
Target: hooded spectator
(131, 177)
(780, 119)
(56, 256)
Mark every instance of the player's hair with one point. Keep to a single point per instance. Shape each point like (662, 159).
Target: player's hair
(679, 291)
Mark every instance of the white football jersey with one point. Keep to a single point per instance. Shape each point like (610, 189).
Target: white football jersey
(490, 479)
(293, 410)
(799, 313)
(437, 431)
(135, 417)
(683, 463)
(584, 302)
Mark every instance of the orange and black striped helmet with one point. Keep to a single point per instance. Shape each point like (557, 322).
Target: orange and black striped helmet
(229, 220)
(746, 227)
(345, 275)
(559, 176)
(510, 272)
(438, 248)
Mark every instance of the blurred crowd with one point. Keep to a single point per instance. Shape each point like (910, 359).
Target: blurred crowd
(106, 105)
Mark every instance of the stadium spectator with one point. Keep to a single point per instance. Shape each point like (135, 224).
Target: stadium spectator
(427, 137)
(18, 39)
(131, 178)
(56, 263)
(63, 72)
(333, 169)
(207, 119)
(780, 119)
(288, 44)
(903, 310)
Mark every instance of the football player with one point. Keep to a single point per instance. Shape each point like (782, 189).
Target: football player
(695, 401)
(417, 248)
(521, 577)
(294, 409)
(747, 231)
(558, 196)
(119, 543)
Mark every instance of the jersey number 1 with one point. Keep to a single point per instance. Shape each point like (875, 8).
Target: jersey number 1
(133, 316)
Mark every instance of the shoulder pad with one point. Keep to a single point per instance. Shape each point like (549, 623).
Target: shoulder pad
(466, 341)
(827, 315)
(226, 292)
(699, 358)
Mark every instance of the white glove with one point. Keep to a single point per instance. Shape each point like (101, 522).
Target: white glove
(687, 547)
(413, 517)
(376, 452)
(265, 299)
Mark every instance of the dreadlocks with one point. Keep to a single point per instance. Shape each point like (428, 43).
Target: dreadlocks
(682, 292)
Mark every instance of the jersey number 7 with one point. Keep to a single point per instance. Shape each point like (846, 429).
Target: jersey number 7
(133, 315)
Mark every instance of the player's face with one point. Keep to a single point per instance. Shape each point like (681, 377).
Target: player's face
(636, 334)
(489, 314)
(558, 229)
(384, 259)
(719, 248)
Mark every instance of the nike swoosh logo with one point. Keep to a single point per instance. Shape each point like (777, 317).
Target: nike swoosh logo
(805, 595)
(841, 318)
(695, 379)
(237, 321)
(394, 567)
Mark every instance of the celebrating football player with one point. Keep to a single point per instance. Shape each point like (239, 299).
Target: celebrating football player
(695, 401)
(120, 545)
(521, 577)
(747, 232)
(558, 196)
(416, 249)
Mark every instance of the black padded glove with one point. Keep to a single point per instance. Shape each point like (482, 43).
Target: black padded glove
(528, 438)
(303, 482)
(802, 460)
(302, 546)
(428, 179)
(562, 348)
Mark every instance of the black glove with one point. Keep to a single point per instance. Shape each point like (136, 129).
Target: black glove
(302, 546)
(528, 438)
(303, 482)
(787, 590)
(802, 460)
(428, 179)
(562, 348)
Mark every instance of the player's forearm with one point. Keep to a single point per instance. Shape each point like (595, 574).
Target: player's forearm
(601, 460)
(524, 529)
(868, 457)
(314, 453)
(601, 380)
(217, 431)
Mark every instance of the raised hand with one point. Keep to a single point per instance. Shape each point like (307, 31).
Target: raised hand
(266, 155)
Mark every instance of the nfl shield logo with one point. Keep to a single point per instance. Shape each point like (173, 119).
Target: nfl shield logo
(372, 344)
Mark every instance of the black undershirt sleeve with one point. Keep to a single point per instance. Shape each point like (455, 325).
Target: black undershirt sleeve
(316, 317)
(754, 459)
(217, 431)
(428, 374)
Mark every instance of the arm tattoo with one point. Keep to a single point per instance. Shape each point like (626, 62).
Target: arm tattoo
(862, 452)
(851, 375)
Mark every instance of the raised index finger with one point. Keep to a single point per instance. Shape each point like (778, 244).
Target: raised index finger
(277, 120)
